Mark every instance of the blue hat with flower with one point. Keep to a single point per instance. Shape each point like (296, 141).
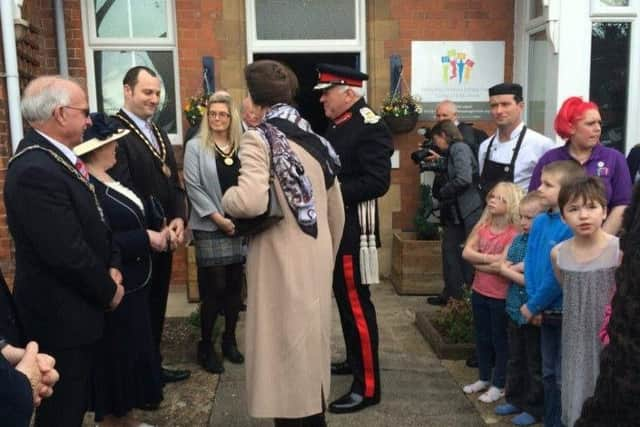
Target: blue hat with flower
(101, 132)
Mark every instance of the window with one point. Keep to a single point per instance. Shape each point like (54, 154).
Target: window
(539, 51)
(535, 9)
(535, 64)
(126, 33)
(612, 8)
(305, 26)
(122, 19)
(608, 87)
(306, 20)
(614, 3)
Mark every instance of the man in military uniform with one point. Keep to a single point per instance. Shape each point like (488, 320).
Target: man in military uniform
(146, 164)
(363, 143)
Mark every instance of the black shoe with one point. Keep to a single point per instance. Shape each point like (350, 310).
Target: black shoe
(438, 300)
(231, 352)
(341, 368)
(472, 361)
(208, 359)
(352, 402)
(173, 375)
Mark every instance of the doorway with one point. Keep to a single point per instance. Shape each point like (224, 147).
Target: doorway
(304, 66)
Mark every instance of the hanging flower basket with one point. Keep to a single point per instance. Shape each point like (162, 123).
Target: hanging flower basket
(401, 112)
(402, 124)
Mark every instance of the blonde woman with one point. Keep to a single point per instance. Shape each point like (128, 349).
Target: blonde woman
(211, 166)
(485, 250)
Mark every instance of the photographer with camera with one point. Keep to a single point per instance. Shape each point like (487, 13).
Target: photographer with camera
(460, 204)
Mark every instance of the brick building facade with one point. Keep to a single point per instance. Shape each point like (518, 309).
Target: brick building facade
(217, 28)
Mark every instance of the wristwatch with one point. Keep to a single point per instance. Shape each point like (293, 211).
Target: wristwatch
(3, 343)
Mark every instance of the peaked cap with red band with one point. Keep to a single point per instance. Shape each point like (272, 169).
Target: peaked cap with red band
(330, 75)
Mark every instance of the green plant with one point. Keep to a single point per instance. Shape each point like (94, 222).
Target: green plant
(455, 320)
(194, 321)
(426, 230)
(194, 317)
(400, 106)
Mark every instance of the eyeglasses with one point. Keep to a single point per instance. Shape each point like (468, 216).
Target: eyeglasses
(219, 115)
(84, 111)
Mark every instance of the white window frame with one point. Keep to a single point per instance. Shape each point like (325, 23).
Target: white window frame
(627, 14)
(600, 10)
(356, 45)
(93, 43)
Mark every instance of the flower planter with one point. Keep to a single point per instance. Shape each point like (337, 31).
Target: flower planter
(416, 265)
(402, 124)
(442, 349)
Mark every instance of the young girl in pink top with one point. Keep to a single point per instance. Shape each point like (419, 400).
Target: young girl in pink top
(486, 249)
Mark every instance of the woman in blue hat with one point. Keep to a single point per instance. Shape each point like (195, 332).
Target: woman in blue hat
(128, 372)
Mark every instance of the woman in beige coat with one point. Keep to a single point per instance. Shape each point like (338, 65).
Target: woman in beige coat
(290, 265)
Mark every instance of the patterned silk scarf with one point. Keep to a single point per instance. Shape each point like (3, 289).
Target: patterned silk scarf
(286, 166)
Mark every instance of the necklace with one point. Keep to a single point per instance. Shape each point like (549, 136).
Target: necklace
(162, 155)
(228, 156)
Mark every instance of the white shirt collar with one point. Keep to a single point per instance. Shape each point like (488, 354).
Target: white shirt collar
(68, 152)
(141, 123)
(514, 134)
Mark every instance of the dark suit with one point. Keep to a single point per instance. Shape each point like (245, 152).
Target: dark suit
(139, 169)
(472, 136)
(10, 326)
(62, 284)
(365, 150)
(16, 398)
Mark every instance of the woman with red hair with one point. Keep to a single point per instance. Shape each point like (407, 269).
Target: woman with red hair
(579, 124)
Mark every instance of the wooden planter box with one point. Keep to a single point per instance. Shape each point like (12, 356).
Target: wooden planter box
(441, 348)
(416, 265)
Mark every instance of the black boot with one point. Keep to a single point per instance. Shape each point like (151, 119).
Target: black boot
(230, 350)
(208, 359)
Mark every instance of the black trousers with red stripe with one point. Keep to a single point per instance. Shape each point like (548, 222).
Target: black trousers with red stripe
(359, 324)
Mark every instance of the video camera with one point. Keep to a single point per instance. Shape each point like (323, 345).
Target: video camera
(419, 156)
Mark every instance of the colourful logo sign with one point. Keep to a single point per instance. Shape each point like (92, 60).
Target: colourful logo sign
(456, 65)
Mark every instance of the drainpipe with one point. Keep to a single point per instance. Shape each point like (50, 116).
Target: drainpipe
(61, 39)
(11, 72)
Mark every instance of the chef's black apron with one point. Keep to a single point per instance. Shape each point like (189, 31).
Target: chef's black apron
(494, 172)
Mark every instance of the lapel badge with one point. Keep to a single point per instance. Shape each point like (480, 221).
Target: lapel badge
(369, 116)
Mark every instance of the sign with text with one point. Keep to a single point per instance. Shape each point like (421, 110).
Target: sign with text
(461, 71)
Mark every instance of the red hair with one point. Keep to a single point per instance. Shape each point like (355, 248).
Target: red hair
(572, 110)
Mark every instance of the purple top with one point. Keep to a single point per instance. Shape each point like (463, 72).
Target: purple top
(607, 163)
